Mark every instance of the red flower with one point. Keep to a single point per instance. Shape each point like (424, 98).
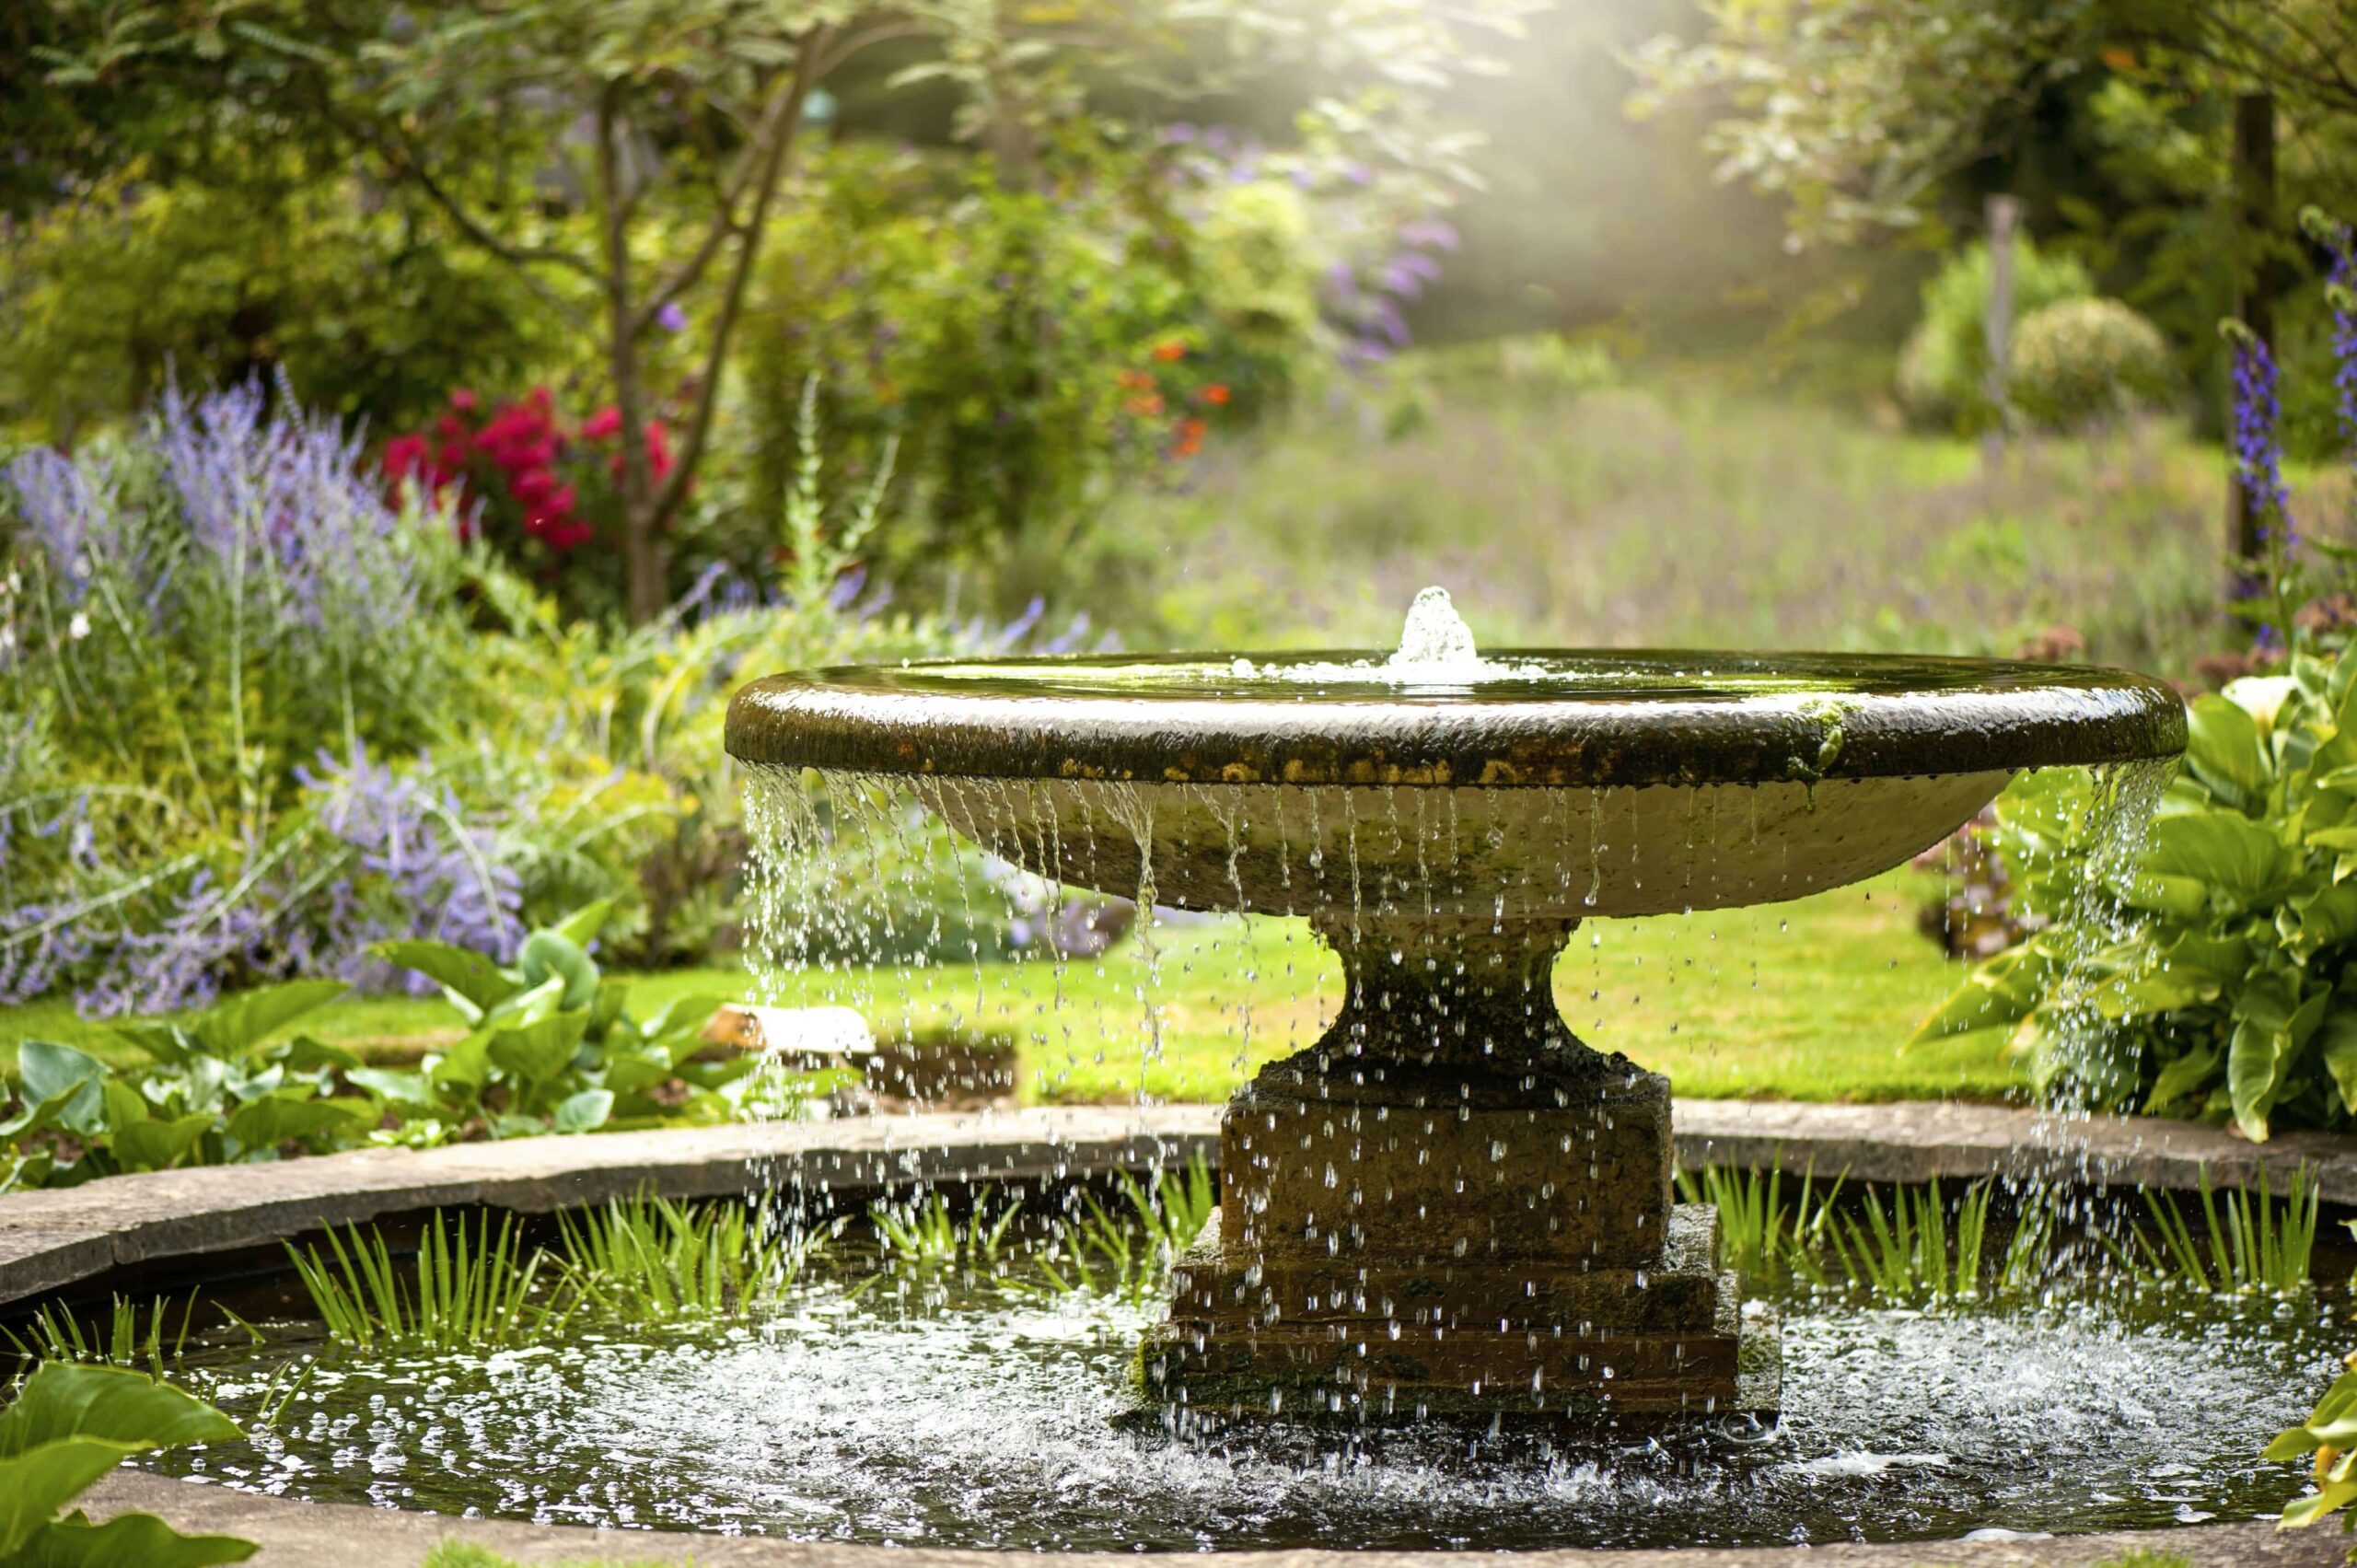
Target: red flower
(462, 399)
(1216, 394)
(1169, 349)
(404, 456)
(1191, 438)
(602, 425)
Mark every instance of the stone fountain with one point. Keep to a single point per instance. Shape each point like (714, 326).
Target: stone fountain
(1449, 1203)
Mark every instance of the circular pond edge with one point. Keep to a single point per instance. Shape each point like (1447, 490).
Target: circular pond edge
(51, 1241)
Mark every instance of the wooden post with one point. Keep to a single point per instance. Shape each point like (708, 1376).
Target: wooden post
(2254, 171)
(1997, 320)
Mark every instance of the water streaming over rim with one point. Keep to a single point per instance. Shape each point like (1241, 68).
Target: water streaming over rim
(953, 848)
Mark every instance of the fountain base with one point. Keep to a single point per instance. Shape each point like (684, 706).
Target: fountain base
(1450, 1205)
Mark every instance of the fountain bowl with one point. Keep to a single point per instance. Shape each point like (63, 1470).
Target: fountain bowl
(1562, 784)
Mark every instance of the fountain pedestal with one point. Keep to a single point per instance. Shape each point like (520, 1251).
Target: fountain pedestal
(1450, 1203)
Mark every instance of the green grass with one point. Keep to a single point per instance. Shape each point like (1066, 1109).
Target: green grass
(1810, 1000)
(462, 1554)
(1673, 514)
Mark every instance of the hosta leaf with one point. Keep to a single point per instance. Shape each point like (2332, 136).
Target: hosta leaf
(2336, 1042)
(2240, 860)
(476, 979)
(304, 1054)
(71, 1078)
(266, 1123)
(234, 1028)
(126, 1539)
(2223, 750)
(581, 927)
(2180, 1079)
(64, 1399)
(538, 1052)
(158, 1145)
(36, 1484)
(585, 1111)
(545, 954)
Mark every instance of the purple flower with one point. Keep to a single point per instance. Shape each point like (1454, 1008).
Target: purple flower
(286, 506)
(2258, 451)
(2341, 291)
(671, 319)
(70, 511)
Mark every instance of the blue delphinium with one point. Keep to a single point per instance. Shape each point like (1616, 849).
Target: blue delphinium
(2258, 448)
(2340, 294)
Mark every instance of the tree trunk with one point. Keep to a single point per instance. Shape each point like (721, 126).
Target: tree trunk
(644, 568)
(1997, 320)
(2254, 168)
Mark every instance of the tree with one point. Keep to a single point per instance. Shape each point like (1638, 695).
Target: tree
(1855, 110)
(672, 124)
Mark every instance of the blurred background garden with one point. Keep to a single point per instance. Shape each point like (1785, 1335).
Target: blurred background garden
(416, 419)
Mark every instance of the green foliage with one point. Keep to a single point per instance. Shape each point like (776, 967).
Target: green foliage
(1913, 1249)
(210, 1093)
(68, 1426)
(1763, 1236)
(1004, 340)
(2330, 1435)
(2232, 996)
(2246, 1244)
(468, 1287)
(346, 295)
(2088, 362)
(927, 1236)
(1943, 368)
(56, 1335)
(648, 1260)
(1130, 1255)
(452, 1553)
(552, 1046)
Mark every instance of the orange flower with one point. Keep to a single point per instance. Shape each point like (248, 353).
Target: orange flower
(1169, 349)
(1191, 438)
(2120, 59)
(1216, 394)
(1147, 405)
(1135, 378)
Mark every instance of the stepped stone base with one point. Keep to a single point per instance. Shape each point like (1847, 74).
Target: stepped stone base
(1421, 1239)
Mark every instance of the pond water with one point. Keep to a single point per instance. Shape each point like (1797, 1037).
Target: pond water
(865, 1410)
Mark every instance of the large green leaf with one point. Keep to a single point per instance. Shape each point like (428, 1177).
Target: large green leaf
(581, 927)
(2243, 863)
(2269, 1027)
(2223, 750)
(64, 1400)
(37, 1483)
(538, 1052)
(266, 1123)
(71, 1078)
(2182, 1078)
(2336, 1043)
(481, 983)
(585, 1111)
(547, 955)
(127, 1540)
(234, 1028)
(159, 1145)
(2003, 991)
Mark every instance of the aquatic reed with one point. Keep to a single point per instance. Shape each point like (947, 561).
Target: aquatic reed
(468, 1287)
(2249, 1244)
(134, 1337)
(648, 1259)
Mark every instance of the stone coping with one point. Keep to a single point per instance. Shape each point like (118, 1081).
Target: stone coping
(53, 1239)
(329, 1535)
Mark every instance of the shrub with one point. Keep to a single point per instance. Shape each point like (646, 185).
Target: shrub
(67, 1427)
(2086, 362)
(1944, 366)
(2233, 995)
(113, 291)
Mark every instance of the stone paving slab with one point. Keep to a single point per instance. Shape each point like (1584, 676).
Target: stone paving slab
(1926, 1140)
(51, 1239)
(319, 1534)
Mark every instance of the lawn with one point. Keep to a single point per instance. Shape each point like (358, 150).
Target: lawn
(1810, 1000)
(1670, 513)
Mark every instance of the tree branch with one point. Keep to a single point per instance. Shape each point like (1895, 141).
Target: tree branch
(807, 72)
